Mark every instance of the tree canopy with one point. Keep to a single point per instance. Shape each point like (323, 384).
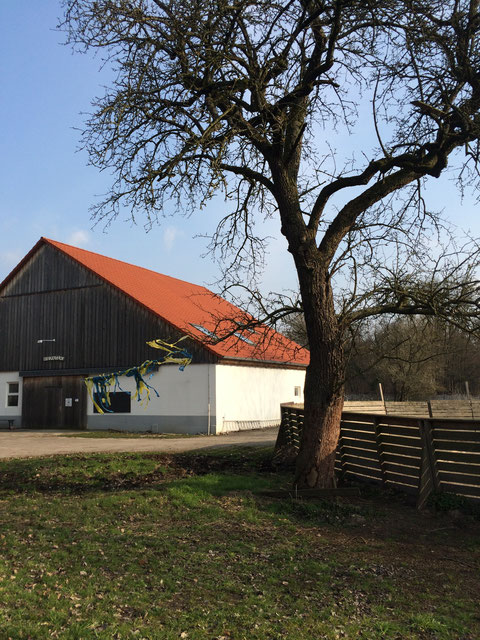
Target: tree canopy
(246, 98)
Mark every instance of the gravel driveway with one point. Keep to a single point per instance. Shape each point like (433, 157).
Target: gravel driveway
(26, 444)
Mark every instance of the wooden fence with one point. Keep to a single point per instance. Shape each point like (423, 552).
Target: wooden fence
(466, 409)
(416, 455)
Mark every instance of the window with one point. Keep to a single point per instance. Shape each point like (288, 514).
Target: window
(208, 333)
(247, 340)
(297, 391)
(119, 402)
(243, 327)
(13, 389)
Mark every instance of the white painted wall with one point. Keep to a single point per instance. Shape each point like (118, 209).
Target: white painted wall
(5, 378)
(235, 393)
(254, 393)
(182, 394)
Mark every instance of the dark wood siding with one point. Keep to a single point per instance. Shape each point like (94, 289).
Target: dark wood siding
(44, 402)
(95, 327)
(47, 270)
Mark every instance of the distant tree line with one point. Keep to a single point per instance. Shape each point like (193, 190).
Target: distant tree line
(413, 357)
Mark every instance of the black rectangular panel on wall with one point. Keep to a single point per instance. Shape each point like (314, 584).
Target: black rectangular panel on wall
(120, 402)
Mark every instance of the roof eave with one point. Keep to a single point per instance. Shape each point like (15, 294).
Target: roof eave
(258, 361)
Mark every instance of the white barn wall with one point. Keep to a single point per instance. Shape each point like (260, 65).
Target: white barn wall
(250, 394)
(10, 413)
(182, 405)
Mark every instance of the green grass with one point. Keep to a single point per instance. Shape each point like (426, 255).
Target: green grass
(163, 547)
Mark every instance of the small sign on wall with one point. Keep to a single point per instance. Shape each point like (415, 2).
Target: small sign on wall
(68, 402)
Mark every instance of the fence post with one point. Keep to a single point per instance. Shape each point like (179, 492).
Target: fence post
(289, 434)
(382, 397)
(429, 407)
(467, 389)
(428, 481)
(380, 453)
(340, 452)
(295, 425)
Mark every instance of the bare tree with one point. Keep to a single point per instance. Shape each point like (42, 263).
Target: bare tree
(407, 355)
(249, 98)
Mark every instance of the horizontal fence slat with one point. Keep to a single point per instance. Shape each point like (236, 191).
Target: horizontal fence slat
(356, 461)
(359, 469)
(457, 422)
(467, 492)
(396, 431)
(456, 425)
(443, 446)
(350, 434)
(413, 449)
(458, 456)
(406, 420)
(359, 451)
(363, 476)
(407, 461)
(402, 478)
(456, 436)
(461, 488)
(402, 441)
(357, 418)
(462, 478)
(358, 427)
(357, 443)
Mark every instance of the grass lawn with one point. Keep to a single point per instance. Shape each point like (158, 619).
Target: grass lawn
(153, 546)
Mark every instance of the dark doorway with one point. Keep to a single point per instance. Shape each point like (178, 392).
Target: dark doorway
(54, 402)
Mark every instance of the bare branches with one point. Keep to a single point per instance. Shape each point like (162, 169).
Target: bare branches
(448, 289)
(231, 97)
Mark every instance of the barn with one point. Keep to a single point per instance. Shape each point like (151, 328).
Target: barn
(67, 314)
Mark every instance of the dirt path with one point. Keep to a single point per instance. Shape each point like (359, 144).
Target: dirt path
(26, 444)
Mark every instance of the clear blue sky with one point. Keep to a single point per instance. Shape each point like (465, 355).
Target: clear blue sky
(47, 187)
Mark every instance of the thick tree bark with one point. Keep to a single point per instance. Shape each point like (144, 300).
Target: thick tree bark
(324, 383)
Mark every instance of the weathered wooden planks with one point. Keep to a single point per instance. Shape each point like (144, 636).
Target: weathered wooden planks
(55, 308)
(418, 455)
(462, 409)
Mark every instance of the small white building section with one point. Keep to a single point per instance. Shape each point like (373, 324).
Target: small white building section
(11, 385)
(181, 405)
(205, 398)
(249, 397)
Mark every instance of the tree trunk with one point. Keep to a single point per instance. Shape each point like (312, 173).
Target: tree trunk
(324, 383)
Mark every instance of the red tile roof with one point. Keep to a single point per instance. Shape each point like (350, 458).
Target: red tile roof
(185, 305)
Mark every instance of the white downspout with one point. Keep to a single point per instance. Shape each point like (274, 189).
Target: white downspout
(209, 426)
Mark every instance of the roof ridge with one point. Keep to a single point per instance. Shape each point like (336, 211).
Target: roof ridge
(59, 245)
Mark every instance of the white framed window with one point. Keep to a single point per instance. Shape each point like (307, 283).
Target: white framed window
(247, 340)
(13, 389)
(207, 332)
(297, 392)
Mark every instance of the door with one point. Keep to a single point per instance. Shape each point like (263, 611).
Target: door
(54, 402)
